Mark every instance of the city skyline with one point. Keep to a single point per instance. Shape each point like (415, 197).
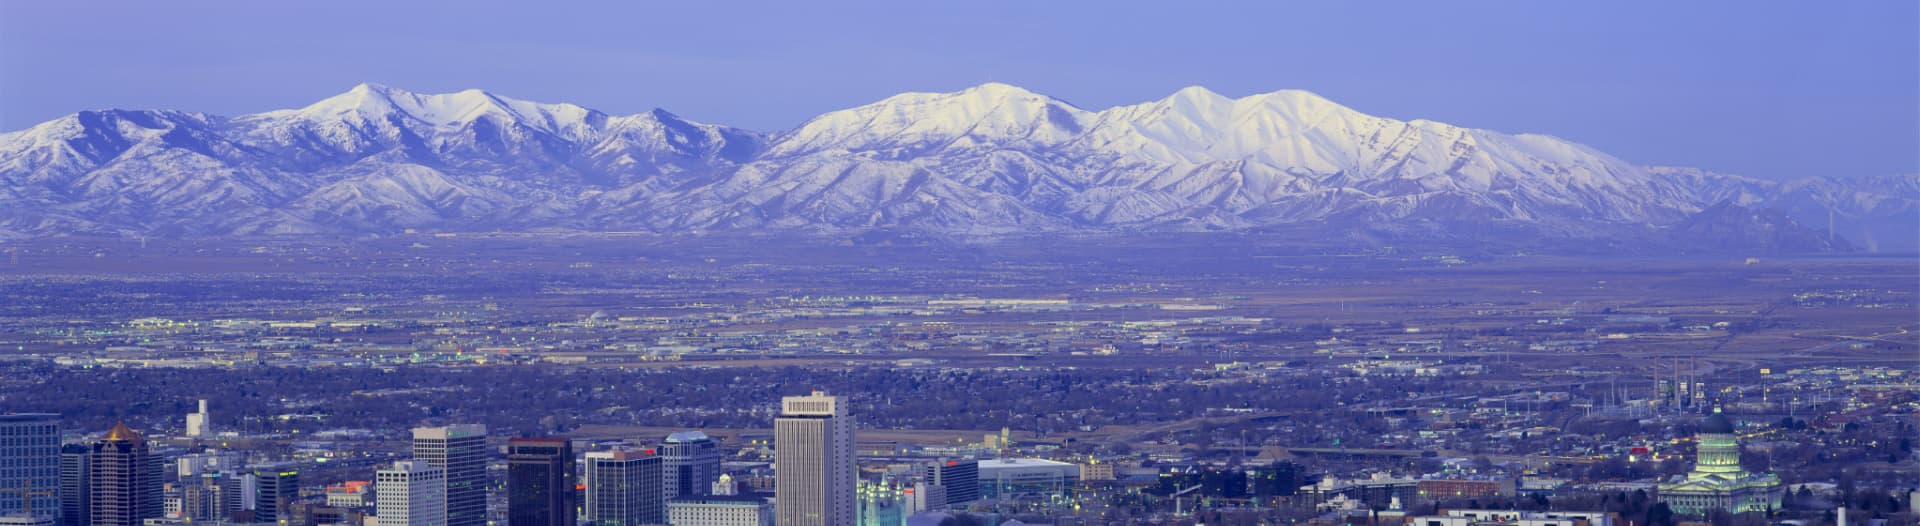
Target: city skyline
(990, 263)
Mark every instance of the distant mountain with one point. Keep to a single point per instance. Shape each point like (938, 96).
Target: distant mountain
(1872, 213)
(993, 159)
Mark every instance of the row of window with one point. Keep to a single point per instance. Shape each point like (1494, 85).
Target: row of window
(28, 430)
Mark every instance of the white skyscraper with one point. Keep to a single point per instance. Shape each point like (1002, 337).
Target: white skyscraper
(814, 480)
(412, 493)
(198, 424)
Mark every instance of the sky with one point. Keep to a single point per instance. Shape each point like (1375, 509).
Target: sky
(1770, 89)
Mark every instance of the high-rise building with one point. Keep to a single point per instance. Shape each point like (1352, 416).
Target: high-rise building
(76, 472)
(276, 488)
(623, 488)
(200, 500)
(959, 478)
(125, 480)
(205, 497)
(199, 424)
(239, 491)
(720, 510)
(30, 465)
(461, 450)
(540, 482)
(411, 493)
(692, 464)
(156, 474)
(814, 462)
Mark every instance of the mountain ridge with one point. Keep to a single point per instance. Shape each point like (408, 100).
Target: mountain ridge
(991, 159)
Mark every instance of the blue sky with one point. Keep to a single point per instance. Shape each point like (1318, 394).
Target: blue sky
(1769, 89)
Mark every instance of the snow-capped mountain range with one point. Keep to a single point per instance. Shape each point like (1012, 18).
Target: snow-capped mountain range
(992, 159)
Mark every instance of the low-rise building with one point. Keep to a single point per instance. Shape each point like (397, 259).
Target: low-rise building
(1014, 478)
(720, 510)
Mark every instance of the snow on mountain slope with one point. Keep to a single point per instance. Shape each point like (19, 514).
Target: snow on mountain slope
(667, 151)
(306, 170)
(912, 124)
(48, 158)
(992, 158)
(1201, 154)
(376, 105)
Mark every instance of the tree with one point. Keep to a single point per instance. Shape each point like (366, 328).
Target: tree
(1660, 515)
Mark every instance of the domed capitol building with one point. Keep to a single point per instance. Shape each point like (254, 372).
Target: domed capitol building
(1717, 482)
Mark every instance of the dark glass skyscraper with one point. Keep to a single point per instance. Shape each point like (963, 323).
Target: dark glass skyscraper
(961, 478)
(30, 464)
(540, 482)
(461, 450)
(126, 487)
(623, 488)
(276, 489)
(76, 473)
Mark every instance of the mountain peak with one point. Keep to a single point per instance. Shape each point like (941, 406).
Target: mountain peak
(1296, 100)
(906, 122)
(371, 88)
(988, 94)
(1000, 90)
(661, 114)
(372, 102)
(1196, 92)
(1195, 101)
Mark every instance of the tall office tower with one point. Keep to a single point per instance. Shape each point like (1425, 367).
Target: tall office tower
(200, 501)
(125, 481)
(276, 488)
(411, 493)
(76, 468)
(692, 464)
(198, 424)
(30, 465)
(156, 474)
(461, 450)
(623, 488)
(540, 482)
(238, 491)
(960, 478)
(814, 462)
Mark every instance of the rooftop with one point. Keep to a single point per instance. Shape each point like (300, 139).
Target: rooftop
(687, 436)
(1021, 463)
